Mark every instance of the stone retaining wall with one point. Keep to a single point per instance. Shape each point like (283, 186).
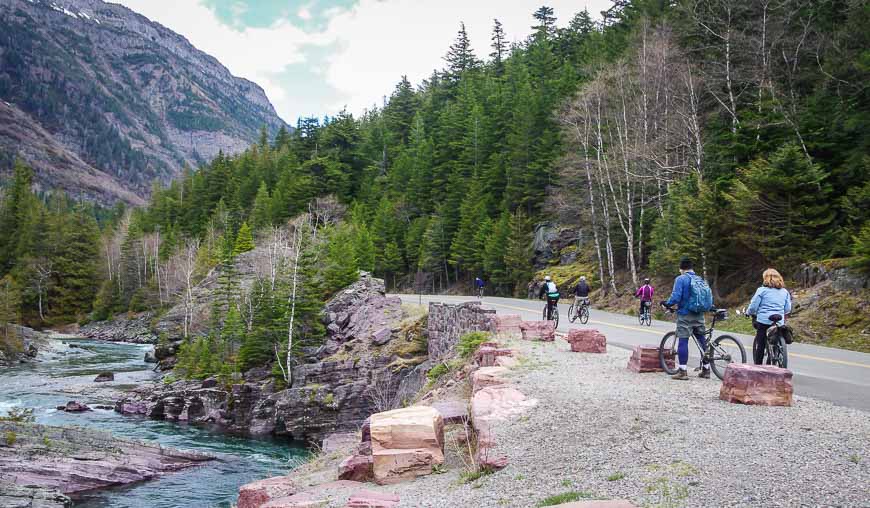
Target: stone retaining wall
(449, 322)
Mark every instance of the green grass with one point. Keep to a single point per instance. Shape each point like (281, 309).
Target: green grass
(736, 324)
(437, 371)
(565, 497)
(473, 475)
(619, 475)
(855, 459)
(11, 437)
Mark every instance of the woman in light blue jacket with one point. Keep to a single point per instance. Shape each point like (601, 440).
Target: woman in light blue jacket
(771, 298)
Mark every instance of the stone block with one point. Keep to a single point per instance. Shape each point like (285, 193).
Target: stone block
(371, 499)
(452, 411)
(544, 331)
(645, 358)
(507, 324)
(486, 355)
(256, 494)
(359, 468)
(406, 443)
(505, 361)
(587, 341)
(761, 385)
(487, 376)
(488, 406)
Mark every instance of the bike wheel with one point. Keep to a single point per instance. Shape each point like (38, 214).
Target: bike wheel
(726, 350)
(668, 351)
(778, 354)
(584, 314)
(640, 318)
(556, 315)
(571, 315)
(783, 351)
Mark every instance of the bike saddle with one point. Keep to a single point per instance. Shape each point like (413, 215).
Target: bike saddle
(774, 318)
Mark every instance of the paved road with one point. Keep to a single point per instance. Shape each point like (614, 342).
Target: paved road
(836, 375)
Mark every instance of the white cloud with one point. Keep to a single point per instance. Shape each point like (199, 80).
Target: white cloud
(375, 42)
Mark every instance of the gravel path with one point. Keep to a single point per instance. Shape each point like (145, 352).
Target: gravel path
(606, 432)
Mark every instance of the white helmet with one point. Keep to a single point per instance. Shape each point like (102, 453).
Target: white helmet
(583, 277)
(547, 278)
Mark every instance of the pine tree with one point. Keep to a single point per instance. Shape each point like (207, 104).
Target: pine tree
(244, 240)
(390, 261)
(494, 252)
(364, 248)
(460, 57)
(340, 265)
(261, 214)
(499, 47)
(518, 255)
(73, 240)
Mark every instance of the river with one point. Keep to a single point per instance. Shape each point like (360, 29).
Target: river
(67, 372)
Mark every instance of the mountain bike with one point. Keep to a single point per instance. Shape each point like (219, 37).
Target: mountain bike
(645, 317)
(480, 292)
(776, 352)
(555, 316)
(579, 311)
(719, 352)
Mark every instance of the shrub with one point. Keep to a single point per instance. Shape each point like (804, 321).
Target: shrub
(565, 497)
(437, 371)
(10, 437)
(469, 343)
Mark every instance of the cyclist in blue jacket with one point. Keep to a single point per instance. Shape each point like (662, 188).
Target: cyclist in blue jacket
(688, 322)
(771, 298)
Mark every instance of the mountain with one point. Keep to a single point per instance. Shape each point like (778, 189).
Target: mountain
(102, 101)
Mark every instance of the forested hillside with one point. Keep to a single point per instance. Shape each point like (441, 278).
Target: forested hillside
(732, 132)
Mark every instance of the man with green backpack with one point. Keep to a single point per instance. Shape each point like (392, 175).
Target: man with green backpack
(693, 297)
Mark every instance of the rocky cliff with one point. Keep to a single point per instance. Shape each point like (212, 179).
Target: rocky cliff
(374, 358)
(101, 101)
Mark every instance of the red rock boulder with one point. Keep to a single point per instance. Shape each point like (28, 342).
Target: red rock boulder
(646, 359)
(452, 411)
(762, 385)
(256, 494)
(587, 341)
(406, 443)
(488, 406)
(487, 376)
(544, 331)
(487, 354)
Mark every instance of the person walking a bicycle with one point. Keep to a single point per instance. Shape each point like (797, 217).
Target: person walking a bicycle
(645, 293)
(771, 298)
(551, 291)
(479, 286)
(581, 292)
(692, 296)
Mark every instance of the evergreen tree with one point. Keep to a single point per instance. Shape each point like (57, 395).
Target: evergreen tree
(340, 265)
(244, 240)
(261, 213)
(518, 255)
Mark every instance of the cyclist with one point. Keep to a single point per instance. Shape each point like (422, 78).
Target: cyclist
(688, 323)
(552, 293)
(771, 298)
(645, 293)
(581, 293)
(479, 284)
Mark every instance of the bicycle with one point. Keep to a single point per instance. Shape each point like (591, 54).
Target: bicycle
(645, 317)
(480, 293)
(716, 353)
(555, 316)
(579, 311)
(776, 352)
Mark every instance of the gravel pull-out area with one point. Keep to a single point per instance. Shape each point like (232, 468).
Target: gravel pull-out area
(604, 432)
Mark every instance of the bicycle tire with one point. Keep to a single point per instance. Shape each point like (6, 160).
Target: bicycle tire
(640, 318)
(668, 347)
(584, 314)
(571, 315)
(556, 315)
(648, 319)
(724, 355)
(783, 348)
(544, 316)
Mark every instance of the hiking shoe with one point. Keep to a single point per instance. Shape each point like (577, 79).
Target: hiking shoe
(705, 374)
(680, 375)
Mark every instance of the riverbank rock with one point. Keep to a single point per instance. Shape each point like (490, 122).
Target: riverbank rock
(762, 385)
(452, 411)
(150, 357)
(103, 377)
(16, 496)
(587, 341)
(543, 331)
(645, 358)
(121, 328)
(75, 460)
(362, 311)
(358, 468)
(488, 376)
(74, 407)
(27, 344)
(406, 443)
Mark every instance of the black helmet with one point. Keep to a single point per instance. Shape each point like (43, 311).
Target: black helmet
(646, 281)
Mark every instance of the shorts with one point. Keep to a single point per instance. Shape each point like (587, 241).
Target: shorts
(690, 324)
(581, 300)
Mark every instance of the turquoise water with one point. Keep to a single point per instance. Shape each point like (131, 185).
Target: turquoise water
(67, 374)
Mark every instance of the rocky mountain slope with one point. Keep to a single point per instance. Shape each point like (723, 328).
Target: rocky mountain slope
(101, 101)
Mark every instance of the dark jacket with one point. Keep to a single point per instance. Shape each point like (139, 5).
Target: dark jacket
(582, 289)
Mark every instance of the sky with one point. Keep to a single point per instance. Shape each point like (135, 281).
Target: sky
(315, 57)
